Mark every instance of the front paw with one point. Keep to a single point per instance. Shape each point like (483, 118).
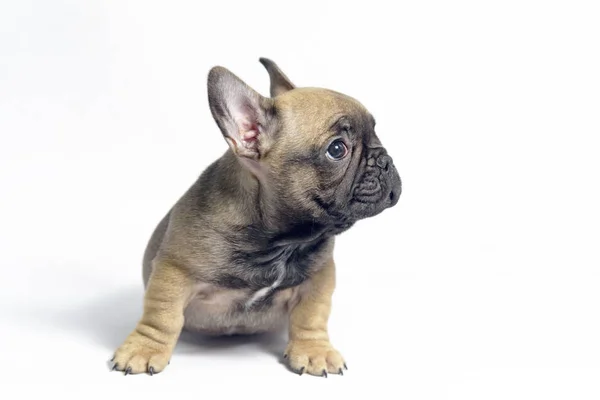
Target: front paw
(139, 354)
(315, 357)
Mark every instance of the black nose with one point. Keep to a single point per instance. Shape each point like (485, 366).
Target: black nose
(384, 162)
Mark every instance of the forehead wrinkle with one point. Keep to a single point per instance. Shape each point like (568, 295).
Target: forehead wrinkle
(309, 113)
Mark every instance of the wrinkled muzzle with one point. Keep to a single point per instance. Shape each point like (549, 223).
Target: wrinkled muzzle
(378, 185)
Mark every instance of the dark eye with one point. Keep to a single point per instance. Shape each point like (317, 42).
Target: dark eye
(337, 150)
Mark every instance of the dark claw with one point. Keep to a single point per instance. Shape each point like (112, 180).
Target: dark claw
(285, 356)
(128, 370)
(301, 371)
(112, 359)
(151, 371)
(341, 372)
(345, 366)
(115, 367)
(325, 373)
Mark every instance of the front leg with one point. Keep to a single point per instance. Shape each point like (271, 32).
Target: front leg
(309, 349)
(148, 348)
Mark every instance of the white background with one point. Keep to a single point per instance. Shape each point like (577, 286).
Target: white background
(483, 283)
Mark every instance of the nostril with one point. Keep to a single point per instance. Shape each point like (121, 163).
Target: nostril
(392, 196)
(384, 162)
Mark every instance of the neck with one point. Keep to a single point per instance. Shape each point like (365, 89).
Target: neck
(245, 186)
(258, 213)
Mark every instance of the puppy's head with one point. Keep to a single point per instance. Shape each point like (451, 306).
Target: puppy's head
(314, 150)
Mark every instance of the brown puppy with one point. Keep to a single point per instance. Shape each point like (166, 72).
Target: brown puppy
(249, 247)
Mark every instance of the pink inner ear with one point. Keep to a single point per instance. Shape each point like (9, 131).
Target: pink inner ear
(249, 133)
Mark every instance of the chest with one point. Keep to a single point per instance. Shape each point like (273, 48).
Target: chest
(271, 269)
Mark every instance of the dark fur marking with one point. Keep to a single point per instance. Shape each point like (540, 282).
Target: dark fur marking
(258, 255)
(231, 282)
(262, 267)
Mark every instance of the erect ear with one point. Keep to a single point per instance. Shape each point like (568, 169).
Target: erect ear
(279, 82)
(244, 116)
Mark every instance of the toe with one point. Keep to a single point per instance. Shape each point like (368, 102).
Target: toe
(317, 366)
(138, 364)
(298, 362)
(335, 362)
(158, 362)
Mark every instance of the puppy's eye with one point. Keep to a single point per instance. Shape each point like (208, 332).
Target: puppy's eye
(337, 150)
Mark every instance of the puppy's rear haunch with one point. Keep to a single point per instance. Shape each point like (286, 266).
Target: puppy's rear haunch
(249, 247)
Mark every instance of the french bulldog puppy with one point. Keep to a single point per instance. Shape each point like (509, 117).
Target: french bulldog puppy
(249, 247)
